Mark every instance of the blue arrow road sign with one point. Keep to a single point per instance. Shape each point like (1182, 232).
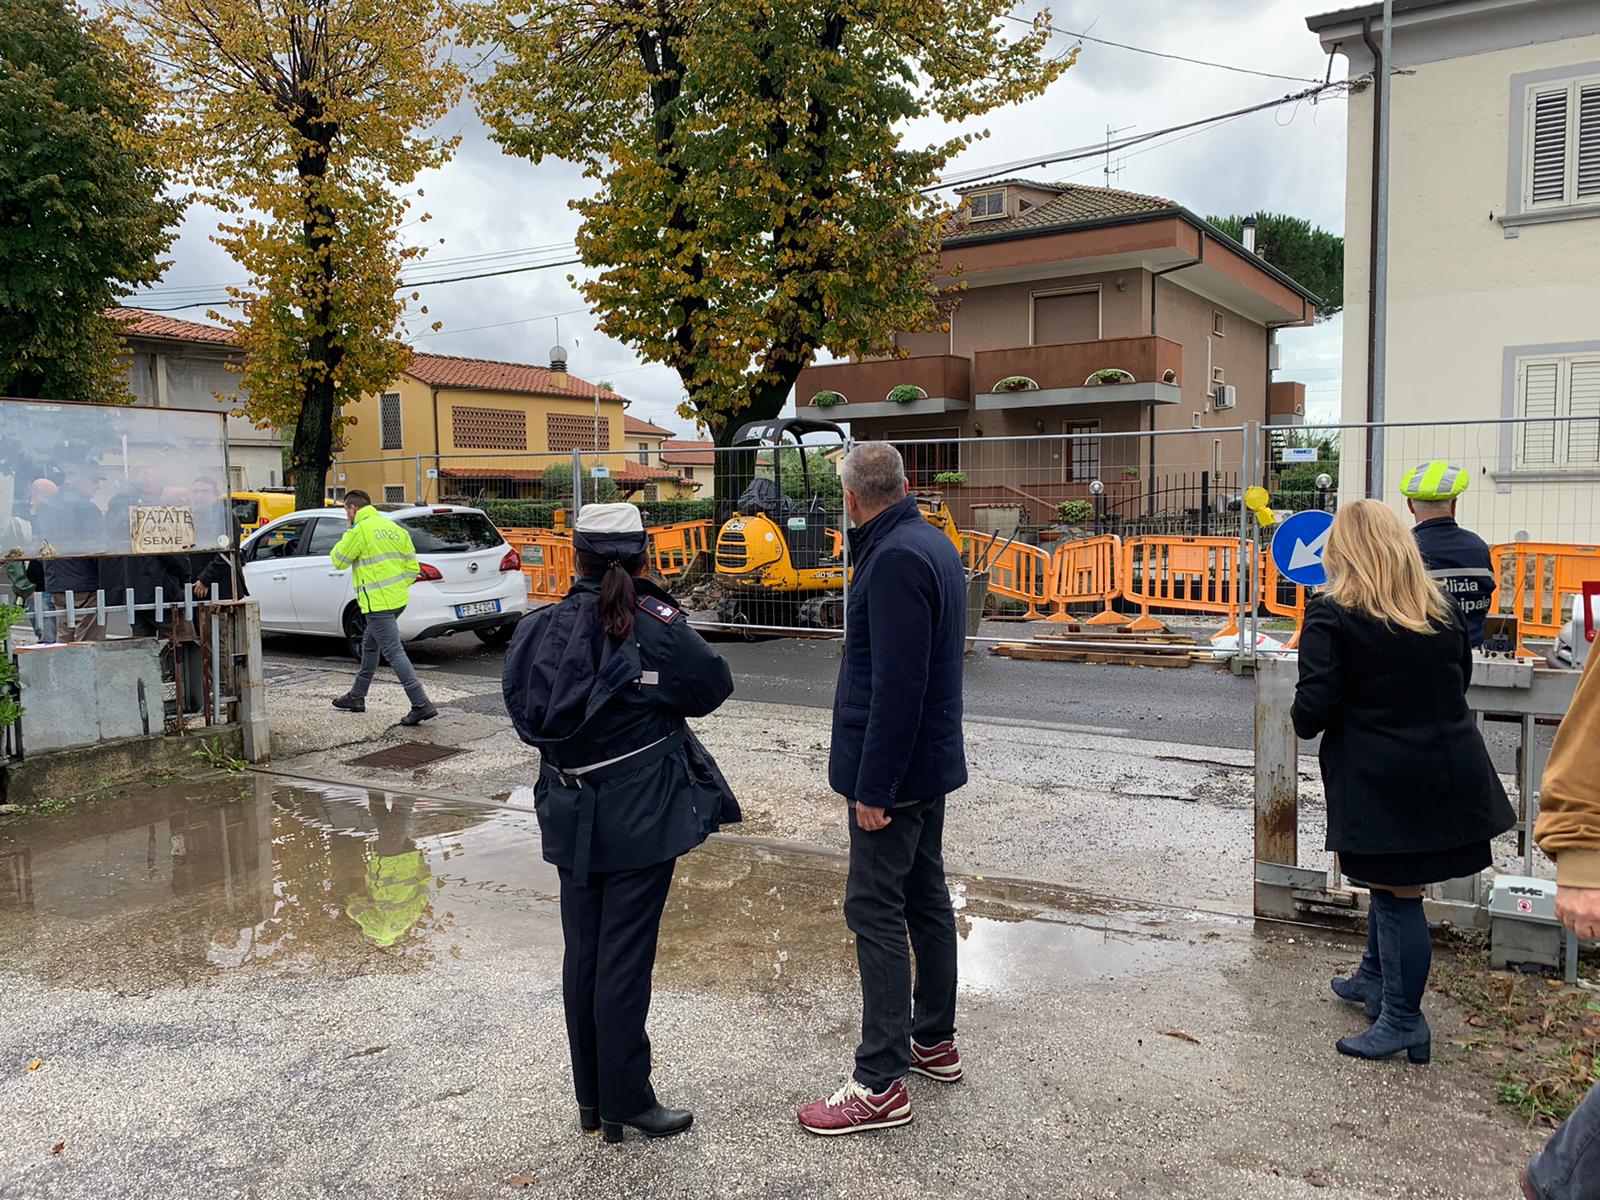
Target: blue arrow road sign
(1297, 548)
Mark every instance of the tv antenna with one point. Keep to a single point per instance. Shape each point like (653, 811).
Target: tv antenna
(1109, 169)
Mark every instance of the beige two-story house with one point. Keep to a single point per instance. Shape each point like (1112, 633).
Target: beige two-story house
(1063, 285)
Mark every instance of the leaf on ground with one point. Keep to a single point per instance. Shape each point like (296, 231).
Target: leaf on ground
(522, 1181)
(1317, 1180)
(1477, 1022)
(58, 1148)
(1180, 1035)
(36, 1064)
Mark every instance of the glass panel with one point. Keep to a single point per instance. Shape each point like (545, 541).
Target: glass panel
(83, 480)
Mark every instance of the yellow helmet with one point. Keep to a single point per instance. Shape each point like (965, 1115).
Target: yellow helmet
(1436, 480)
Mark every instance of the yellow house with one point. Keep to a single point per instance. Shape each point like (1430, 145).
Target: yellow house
(470, 428)
(649, 447)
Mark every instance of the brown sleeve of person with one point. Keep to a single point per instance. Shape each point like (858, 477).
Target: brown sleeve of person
(1569, 805)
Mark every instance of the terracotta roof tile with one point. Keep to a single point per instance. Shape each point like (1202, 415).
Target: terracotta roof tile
(487, 375)
(1073, 203)
(637, 425)
(688, 454)
(139, 322)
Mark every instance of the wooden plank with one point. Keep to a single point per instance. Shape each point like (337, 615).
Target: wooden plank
(1154, 658)
(1101, 635)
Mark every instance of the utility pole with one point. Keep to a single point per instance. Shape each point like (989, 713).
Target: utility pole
(1379, 342)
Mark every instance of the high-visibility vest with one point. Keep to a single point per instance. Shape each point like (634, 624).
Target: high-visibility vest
(396, 896)
(381, 558)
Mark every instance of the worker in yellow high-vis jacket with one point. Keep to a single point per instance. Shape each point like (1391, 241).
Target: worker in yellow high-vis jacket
(383, 565)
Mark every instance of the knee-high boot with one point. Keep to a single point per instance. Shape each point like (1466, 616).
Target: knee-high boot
(1365, 986)
(1405, 950)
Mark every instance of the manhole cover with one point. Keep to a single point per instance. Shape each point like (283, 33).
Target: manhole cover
(405, 757)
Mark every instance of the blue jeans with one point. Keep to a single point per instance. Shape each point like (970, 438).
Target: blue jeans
(1568, 1168)
(382, 640)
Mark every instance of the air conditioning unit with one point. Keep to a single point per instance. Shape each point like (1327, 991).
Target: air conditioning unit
(1226, 396)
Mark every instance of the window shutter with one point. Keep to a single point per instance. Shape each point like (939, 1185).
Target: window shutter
(1541, 386)
(1547, 155)
(1588, 152)
(1583, 400)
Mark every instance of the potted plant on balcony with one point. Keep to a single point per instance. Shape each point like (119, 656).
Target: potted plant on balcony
(827, 399)
(950, 479)
(1016, 383)
(1108, 375)
(905, 393)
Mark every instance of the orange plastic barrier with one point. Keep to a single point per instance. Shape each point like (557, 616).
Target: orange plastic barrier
(1084, 571)
(673, 547)
(1544, 577)
(1016, 570)
(1270, 588)
(548, 563)
(1182, 574)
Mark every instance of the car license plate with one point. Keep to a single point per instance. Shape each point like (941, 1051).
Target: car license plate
(478, 608)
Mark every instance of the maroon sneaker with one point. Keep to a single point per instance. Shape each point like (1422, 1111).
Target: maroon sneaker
(852, 1108)
(941, 1062)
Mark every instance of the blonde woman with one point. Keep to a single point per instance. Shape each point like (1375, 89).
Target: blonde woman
(1412, 796)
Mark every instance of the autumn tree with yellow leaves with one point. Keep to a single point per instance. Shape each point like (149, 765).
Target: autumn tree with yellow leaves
(303, 121)
(757, 196)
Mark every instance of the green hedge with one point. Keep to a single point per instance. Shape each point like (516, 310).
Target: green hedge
(520, 514)
(541, 514)
(672, 512)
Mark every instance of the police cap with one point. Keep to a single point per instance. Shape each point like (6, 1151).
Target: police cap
(609, 531)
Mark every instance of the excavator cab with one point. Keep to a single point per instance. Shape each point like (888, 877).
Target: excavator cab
(780, 558)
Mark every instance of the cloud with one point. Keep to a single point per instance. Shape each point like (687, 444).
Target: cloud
(1289, 159)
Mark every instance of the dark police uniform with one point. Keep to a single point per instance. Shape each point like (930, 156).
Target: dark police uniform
(1458, 561)
(624, 789)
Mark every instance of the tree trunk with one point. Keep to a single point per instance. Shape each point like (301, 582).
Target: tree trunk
(312, 448)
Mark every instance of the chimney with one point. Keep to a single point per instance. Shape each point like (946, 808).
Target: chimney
(1249, 235)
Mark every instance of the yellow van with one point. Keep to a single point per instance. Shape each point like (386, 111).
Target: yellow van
(254, 509)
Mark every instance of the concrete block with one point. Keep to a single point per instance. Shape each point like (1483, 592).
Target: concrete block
(82, 693)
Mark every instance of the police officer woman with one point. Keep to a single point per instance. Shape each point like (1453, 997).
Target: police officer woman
(601, 683)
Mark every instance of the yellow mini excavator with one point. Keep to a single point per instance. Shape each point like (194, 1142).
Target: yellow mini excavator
(779, 559)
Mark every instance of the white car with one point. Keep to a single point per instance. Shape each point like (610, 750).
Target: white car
(471, 581)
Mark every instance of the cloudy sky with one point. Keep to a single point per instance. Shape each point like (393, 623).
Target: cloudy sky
(1287, 159)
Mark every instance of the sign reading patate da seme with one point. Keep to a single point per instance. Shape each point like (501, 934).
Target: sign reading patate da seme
(160, 528)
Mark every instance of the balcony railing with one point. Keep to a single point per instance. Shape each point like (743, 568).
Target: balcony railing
(1069, 365)
(940, 377)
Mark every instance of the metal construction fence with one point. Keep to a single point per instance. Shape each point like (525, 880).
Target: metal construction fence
(1118, 531)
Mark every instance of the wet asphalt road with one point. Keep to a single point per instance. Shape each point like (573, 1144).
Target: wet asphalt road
(1197, 706)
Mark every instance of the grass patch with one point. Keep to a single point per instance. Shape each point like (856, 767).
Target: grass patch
(1540, 1038)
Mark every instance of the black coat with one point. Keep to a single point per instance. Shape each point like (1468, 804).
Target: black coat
(582, 699)
(897, 708)
(73, 524)
(1403, 763)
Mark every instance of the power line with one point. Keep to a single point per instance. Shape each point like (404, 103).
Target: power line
(173, 291)
(566, 312)
(1097, 149)
(1199, 62)
(403, 286)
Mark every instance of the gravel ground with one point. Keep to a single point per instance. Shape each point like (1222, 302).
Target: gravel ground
(291, 1058)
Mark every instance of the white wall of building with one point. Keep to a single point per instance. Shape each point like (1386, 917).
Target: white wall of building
(1466, 286)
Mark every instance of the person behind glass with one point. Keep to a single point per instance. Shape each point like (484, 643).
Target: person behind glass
(73, 524)
(1413, 799)
(601, 684)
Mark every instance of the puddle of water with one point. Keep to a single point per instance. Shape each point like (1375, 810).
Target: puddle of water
(269, 873)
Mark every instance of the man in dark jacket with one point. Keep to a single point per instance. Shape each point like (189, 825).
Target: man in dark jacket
(1457, 559)
(897, 751)
(73, 524)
